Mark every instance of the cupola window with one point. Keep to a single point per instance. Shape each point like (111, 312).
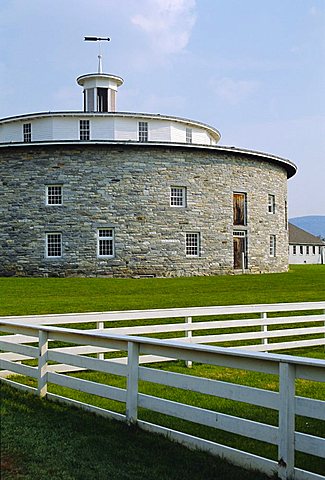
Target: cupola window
(102, 100)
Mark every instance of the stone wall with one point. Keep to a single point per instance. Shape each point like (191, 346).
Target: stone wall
(127, 187)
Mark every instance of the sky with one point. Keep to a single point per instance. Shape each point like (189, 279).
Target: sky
(253, 69)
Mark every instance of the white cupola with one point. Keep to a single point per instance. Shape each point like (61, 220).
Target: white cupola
(99, 88)
(100, 91)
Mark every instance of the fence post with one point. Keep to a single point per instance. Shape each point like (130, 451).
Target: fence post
(286, 440)
(132, 383)
(188, 334)
(42, 363)
(100, 326)
(264, 327)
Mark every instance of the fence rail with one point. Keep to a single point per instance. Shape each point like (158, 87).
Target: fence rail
(258, 334)
(285, 401)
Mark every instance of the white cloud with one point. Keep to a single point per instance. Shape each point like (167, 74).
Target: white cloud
(168, 24)
(234, 91)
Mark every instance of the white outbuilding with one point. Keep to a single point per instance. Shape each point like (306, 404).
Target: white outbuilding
(305, 247)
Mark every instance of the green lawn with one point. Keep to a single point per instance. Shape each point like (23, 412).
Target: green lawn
(304, 388)
(22, 296)
(87, 447)
(46, 441)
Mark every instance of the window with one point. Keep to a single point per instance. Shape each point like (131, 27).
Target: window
(301, 250)
(105, 242)
(294, 249)
(27, 132)
(113, 100)
(53, 245)
(307, 250)
(239, 208)
(178, 196)
(84, 130)
(143, 131)
(272, 246)
(102, 99)
(188, 135)
(271, 203)
(314, 250)
(89, 105)
(54, 195)
(192, 244)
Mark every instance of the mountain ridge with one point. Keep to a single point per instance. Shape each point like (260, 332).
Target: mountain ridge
(314, 224)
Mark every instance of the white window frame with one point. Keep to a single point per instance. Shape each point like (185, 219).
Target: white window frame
(27, 132)
(314, 249)
(272, 246)
(301, 250)
(192, 244)
(84, 130)
(49, 237)
(143, 131)
(107, 237)
(189, 135)
(271, 203)
(178, 196)
(294, 249)
(56, 195)
(239, 233)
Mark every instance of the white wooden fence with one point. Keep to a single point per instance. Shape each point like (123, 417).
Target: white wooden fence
(258, 334)
(285, 401)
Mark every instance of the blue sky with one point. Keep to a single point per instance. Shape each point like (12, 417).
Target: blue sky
(254, 69)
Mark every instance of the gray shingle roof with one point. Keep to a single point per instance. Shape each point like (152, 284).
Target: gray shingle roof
(299, 236)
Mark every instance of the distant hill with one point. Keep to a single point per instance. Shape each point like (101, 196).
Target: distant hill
(314, 224)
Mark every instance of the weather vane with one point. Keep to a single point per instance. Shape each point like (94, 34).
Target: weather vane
(98, 39)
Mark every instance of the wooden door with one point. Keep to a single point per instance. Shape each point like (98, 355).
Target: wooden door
(239, 249)
(239, 208)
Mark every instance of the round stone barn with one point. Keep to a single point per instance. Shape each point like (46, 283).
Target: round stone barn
(120, 194)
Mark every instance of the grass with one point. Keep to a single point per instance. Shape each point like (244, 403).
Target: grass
(23, 296)
(44, 440)
(259, 414)
(52, 295)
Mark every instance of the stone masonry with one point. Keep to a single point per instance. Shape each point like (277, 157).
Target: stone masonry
(127, 187)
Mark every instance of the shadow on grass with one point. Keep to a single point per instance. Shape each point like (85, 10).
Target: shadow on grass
(44, 440)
